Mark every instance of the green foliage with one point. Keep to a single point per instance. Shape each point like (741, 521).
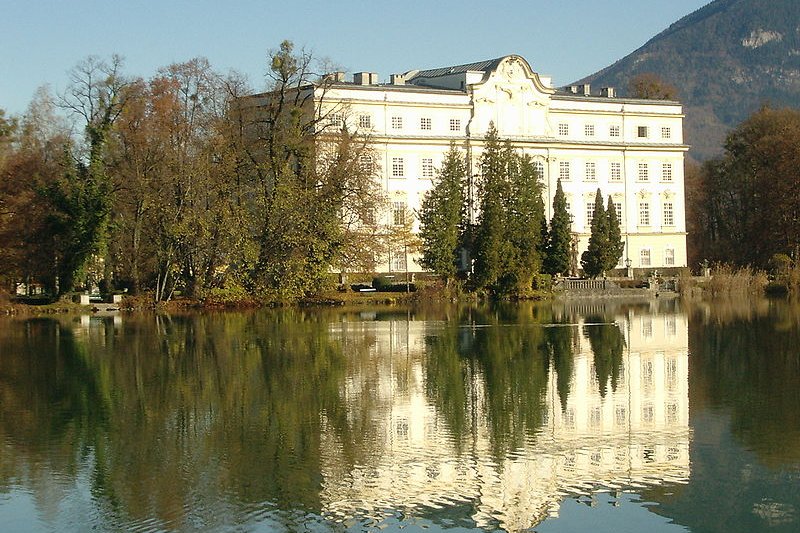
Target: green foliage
(595, 257)
(616, 246)
(508, 237)
(441, 216)
(607, 342)
(559, 237)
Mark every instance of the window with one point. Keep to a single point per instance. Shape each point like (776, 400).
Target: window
(538, 167)
(641, 132)
(647, 332)
(563, 170)
(398, 213)
(427, 167)
(666, 171)
(425, 123)
(563, 129)
(669, 214)
(336, 120)
(666, 133)
(620, 415)
(669, 257)
(644, 172)
(366, 164)
(588, 130)
(618, 210)
(455, 124)
(397, 123)
(644, 257)
(398, 260)
(644, 214)
(591, 171)
(398, 167)
(616, 171)
(589, 213)
(569, 211)
(365, 121)
(613, 131)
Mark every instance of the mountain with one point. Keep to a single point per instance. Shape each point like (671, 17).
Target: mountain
(726, 59)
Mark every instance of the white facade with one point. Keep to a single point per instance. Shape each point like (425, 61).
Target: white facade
(631, 149)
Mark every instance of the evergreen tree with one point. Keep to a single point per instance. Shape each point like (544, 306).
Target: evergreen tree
(525, 220)
(440, 216)
(616, 246)
(558, 239)
(492, 249)
(593, 260)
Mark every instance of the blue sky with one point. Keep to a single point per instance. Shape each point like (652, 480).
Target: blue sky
(40, 40)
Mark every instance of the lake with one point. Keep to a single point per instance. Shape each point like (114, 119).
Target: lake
(587, 415)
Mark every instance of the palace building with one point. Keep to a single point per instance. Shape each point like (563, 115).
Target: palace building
(631, 149)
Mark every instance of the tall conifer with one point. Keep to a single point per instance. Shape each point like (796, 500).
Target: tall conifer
(615, 243)
(593, 260)
(440, 216)
(558, 239)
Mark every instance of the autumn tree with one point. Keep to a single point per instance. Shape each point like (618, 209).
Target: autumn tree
(650, 86)
(751, 195)
(441, 217)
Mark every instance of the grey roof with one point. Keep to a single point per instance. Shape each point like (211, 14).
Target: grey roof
(483, 66)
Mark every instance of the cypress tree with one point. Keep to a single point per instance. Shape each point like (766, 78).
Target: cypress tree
(525, 221)
(491, 247)
(593, 260)
(558, 239)
(616, 246)
(440, 216)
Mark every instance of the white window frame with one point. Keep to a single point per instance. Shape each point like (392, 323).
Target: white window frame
(669, 257)
(398, 213)
(455, 124)
(645, 258)
(425, 123)
(564, 170)
(427, 167)
(614, 130)
(589, 213)
(590, 171)
(668, 214)
(397, 122)
(365, 122)
(588, 130)
(666, 132)
(642, 132)
(666, 171)
(615, 171)
(644, 213)
(563, 129)
(643, 172)
(398, 167)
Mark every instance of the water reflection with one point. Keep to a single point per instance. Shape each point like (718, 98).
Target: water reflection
(475, 417)
(509, 414)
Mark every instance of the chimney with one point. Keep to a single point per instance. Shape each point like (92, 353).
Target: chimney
(572, 89)
(608, 92)
(361, 78)
(373, 78)
(337, 76)
(397, 79)
(585, 89)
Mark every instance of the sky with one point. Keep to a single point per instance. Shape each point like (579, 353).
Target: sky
(40, 40)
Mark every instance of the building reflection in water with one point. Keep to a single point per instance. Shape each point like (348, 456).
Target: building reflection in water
(627, 433)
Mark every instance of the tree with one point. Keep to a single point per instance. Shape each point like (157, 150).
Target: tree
(559, 237)
(650, 86)
(750, 197)
(616, 246)
(594, 259)
(82, 198)
(441, 217)
(492, 249)
(526, 219)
